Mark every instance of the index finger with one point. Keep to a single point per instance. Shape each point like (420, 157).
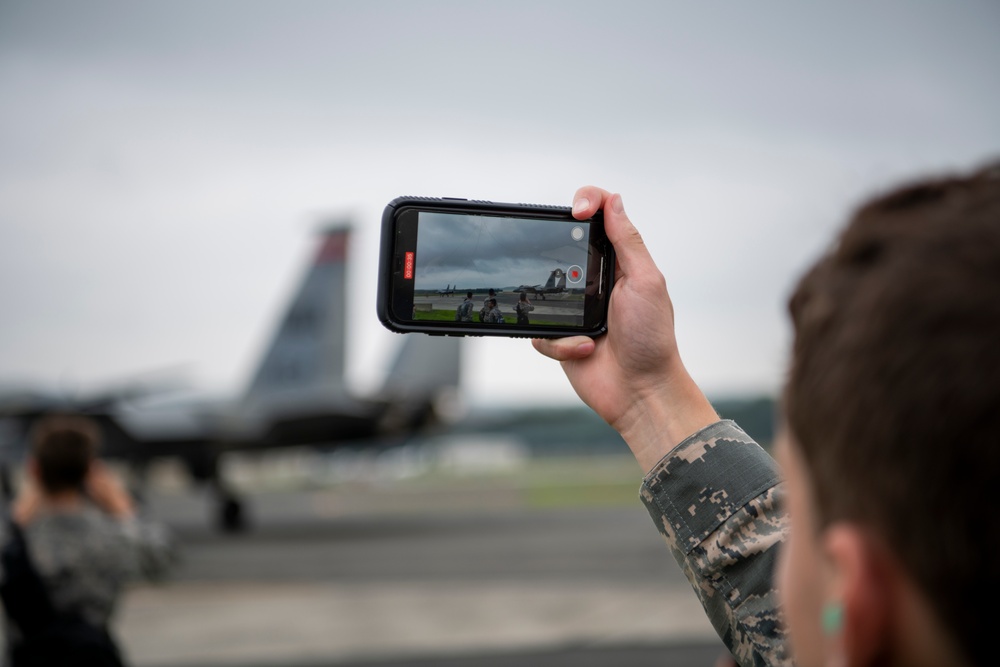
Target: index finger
(633, 255)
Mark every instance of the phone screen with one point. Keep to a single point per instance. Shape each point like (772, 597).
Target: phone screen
(489, 272)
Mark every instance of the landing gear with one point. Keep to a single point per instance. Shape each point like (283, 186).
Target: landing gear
(231, 516)
(230, 513)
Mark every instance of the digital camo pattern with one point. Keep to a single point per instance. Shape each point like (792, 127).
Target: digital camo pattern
(717, 500)
(85, 557)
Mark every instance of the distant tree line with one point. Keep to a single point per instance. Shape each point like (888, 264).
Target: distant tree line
(574, 430)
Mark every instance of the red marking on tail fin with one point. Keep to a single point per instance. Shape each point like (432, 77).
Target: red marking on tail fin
(334, 249)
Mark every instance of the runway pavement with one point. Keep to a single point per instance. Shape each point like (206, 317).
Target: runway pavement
(561, 308)
(326, 578)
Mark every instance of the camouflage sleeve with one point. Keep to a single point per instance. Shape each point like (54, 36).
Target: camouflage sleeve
(717, 500)
(152, 548)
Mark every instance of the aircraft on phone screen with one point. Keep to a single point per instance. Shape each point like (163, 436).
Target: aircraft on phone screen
(556, 284)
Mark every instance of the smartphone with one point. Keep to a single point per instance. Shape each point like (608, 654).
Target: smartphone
(477, 268)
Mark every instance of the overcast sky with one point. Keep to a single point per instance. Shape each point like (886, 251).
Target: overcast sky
(481, 251)
(163, 165)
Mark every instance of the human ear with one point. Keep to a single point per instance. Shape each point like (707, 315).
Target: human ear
(857, 612)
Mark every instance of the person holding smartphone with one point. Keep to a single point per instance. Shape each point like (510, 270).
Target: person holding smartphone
(881, 511)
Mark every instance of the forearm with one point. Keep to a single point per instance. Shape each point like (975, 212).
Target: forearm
(717, 500)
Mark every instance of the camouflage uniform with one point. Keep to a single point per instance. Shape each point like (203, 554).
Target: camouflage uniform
(494, 316)
(523, 308)
(465, 310)
(717, 500)
(84, 557)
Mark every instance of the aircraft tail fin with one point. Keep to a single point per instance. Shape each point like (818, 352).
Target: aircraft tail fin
(307, 350)
(420, 389)
(557, 279)
(424, 366)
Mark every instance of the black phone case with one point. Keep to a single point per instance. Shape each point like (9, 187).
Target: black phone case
(456, 205)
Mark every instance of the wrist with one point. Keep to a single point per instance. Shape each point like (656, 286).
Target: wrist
(120, 508)
(663, 417)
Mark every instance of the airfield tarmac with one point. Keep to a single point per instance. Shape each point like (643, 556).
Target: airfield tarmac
(385, 575)
(560, 308)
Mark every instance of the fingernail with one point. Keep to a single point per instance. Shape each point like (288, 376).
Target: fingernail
(617, 204)
(581, 205)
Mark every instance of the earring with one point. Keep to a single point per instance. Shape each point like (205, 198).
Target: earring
(832, 620)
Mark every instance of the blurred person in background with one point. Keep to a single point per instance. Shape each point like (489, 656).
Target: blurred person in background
(888, 452)
(73, 541)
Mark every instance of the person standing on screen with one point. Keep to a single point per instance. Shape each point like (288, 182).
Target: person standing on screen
(486, 305)
(523, 307)
(464, 311)
(493, 314)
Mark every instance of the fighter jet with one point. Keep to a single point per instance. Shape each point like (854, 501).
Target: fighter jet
(296, 397)
(556, 284)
